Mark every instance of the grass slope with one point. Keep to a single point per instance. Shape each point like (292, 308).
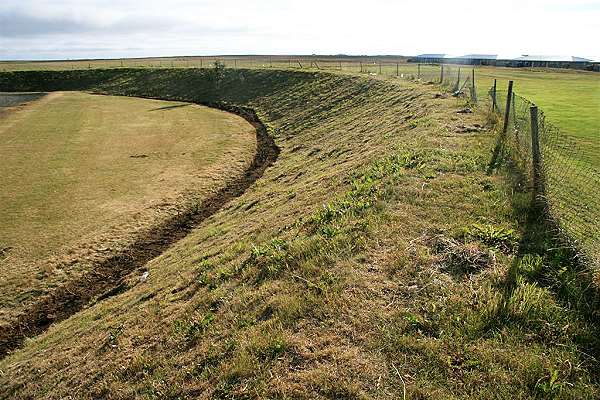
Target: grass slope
(374, 257)
(85, 174)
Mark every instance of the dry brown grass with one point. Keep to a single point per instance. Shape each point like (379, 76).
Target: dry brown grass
(86, 175)
(323, 280)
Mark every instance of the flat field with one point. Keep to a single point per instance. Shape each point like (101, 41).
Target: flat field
(82, 174)
(570, 99)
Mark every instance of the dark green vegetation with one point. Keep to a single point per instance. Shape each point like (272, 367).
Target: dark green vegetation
(375, 256)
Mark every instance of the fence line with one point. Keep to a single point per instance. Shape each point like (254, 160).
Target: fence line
(560, 169)
(451, 77)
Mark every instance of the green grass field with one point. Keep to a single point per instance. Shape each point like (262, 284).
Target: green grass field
(375, 257)
(570, 99)
(85, 174)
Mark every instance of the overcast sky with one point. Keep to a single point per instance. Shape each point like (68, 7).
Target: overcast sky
(67, 29)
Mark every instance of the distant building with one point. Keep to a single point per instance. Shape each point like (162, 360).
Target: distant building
(549, 61)
(544, 61)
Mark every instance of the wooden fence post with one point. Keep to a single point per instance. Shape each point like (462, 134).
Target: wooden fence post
(361, 69)
(473, 88)
(270, 62)
(419, 71)
(397, 69)
(380, 67)
(536, 156)
(509, 96)
(457, 86)
(442, 74)
(494, 105)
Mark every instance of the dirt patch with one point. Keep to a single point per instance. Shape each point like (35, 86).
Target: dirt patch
(107, 275)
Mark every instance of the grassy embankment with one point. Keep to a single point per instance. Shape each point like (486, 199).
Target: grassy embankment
(374, 257)
(571, 98)
(85, 175)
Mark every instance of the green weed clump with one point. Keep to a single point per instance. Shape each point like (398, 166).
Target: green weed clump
(495, 236)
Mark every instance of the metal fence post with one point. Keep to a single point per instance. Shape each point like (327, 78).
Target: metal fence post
(379, 67)
(507, 109)
(418, 71)
(442, 74)
(397, 69)
(536, 156)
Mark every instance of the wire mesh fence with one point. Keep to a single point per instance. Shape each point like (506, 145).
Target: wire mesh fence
(568, 172)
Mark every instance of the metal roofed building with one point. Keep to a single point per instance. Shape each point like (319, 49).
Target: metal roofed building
(544, 61)
(431, 58)
(477, 59)
(470, 59)
(548, 61)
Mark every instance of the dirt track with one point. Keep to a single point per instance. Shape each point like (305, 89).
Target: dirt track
(106, 277)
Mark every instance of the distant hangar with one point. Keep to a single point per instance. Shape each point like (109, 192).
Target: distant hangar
(544, 61)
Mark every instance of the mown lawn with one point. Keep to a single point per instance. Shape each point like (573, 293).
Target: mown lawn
(570, 99)
(82, 173)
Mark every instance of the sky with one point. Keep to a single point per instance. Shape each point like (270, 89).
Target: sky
(73, 29)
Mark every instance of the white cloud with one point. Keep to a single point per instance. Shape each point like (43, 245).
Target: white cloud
(94, 28)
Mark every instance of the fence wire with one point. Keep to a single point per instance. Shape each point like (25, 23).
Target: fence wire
(570, 172)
